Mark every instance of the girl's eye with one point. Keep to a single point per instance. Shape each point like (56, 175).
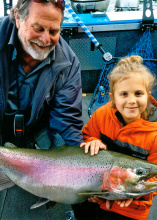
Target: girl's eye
(124, 94)
(138, 93)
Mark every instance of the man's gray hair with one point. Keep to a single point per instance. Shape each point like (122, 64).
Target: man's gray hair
(23, 10)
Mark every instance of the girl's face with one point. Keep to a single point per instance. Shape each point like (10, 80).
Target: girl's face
(130, 97)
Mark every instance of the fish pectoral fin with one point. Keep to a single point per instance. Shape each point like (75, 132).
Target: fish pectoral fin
(5, 182)
(102, 194)
(40, 202)
(9, 145)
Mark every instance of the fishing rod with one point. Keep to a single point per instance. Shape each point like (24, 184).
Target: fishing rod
(106, 55)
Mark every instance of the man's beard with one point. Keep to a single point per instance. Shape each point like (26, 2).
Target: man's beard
(39, 54)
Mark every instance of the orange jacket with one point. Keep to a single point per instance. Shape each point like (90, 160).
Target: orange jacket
(140, 136)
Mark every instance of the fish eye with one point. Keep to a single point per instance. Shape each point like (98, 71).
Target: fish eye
(140, 171)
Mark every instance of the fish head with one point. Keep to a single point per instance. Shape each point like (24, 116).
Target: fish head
(129, 178)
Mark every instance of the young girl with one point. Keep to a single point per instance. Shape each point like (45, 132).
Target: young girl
(122, 125)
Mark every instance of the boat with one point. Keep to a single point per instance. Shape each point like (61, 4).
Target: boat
(86, 6)
(117, 31)
(129, 4)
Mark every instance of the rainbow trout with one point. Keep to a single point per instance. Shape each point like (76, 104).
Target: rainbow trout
(67, 175)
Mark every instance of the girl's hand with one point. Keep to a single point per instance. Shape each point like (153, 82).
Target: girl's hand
(100, 201)
(95, 199)
(94, 146)
(124, 203)
(121, 203)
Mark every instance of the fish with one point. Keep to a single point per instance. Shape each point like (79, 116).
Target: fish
(67, 175)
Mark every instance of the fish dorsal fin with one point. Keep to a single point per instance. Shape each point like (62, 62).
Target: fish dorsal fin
(102, 194)
(9, 145)
(40, 202)
(36, 147)
(5, 182)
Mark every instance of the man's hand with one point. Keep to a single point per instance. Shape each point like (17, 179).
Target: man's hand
(94, 146)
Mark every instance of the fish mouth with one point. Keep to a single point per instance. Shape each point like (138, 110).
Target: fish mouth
(146, 186)
(135, 189)
(132, 191)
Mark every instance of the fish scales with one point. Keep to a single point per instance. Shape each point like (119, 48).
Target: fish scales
(67, 175)
(43, 169)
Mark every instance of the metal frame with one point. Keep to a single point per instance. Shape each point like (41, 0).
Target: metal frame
(112, 27)
(7, 6)
(148, 16)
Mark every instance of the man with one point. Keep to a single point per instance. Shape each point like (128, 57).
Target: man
(40, 75)
(40, 82)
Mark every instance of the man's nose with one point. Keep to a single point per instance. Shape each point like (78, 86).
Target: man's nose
(45, 37)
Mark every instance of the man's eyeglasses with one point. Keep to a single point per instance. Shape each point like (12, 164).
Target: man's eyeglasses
(59, 3)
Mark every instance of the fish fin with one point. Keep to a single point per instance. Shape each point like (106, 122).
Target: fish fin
(40, 202)
(9, 145)
(5, 182)
(36, 147)
(102, 194)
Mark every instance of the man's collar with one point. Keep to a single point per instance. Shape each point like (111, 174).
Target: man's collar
(13, 38)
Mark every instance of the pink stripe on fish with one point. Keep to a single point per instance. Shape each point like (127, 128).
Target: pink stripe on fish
(58, 173)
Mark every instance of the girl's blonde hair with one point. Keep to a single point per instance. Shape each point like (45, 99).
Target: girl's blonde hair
(127, 66)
